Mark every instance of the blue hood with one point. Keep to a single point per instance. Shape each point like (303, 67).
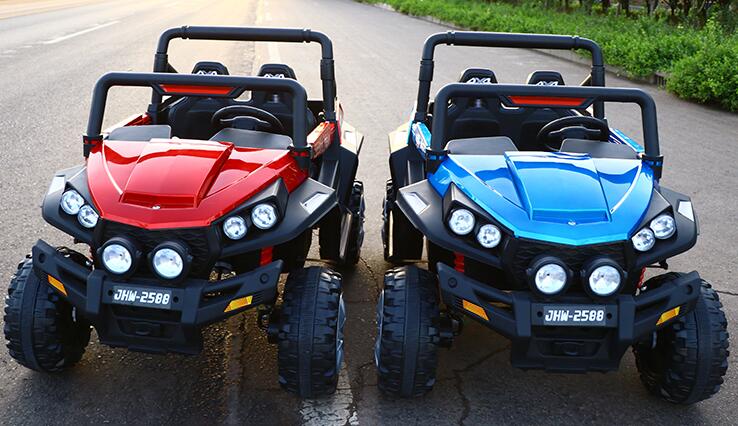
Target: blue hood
(555, 197)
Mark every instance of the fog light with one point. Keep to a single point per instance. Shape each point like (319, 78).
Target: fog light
(605, 280)
(168, 262)
(117, 259)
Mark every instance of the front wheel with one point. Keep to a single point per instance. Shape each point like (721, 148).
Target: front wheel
(407, 340)
(689, 357)
(310, 334)
(42, 329)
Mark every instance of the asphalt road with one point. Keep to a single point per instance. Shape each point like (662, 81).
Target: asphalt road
(49, 61)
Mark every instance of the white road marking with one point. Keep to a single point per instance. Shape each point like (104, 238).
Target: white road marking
(79, 33)
(334, 410)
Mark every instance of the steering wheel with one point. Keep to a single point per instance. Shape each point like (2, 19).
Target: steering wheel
(578, 127)
(228, 115)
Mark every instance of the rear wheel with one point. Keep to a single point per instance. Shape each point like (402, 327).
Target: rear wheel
(400, 239)
(42, 329)
(689, 357)
(310, 333)
(407, 338)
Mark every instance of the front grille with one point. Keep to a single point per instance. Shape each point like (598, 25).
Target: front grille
(575, 257)
(196, 240)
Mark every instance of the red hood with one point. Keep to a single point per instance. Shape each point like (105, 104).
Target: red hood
(181, 183)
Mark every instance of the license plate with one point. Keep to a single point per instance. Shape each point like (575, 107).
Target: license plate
(576, 315)
(144, 297)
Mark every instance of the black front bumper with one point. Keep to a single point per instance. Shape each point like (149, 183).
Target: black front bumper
(514, 314)
(196, 303)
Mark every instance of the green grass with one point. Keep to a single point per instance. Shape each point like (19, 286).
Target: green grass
(702, 64)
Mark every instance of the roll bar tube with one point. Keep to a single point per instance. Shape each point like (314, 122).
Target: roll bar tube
(155, 80)
(288, 35)
(523, 41)
(592, 94)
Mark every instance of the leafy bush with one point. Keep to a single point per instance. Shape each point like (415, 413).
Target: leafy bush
(640, 45)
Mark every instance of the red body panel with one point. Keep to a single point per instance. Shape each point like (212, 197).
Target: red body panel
(181, 183)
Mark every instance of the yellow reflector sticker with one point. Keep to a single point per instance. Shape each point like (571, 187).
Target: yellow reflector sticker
(666, 316)
(238, 303)
(57, 285)
(475, 309)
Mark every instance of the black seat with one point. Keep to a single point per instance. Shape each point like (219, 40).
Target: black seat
(539, 117)
(599, 149)
(252, 139)
(474, 117)
(190, 116)
(141, 133)
(494, 145)
(279, 103)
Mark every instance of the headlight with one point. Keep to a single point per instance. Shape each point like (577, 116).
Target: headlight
(461, 221)
(87, 216)
(234, 227)
(117, 259)
(168, 263)
(71, 202)
(550, 278)
(489, 236)
(264, 216)
(663, 226)
(643, 240)
(604, 280)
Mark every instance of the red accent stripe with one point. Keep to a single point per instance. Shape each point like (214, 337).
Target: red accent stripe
(179, 89)
(265, 257)
(642, 277)
(459, 262)
(547, 101)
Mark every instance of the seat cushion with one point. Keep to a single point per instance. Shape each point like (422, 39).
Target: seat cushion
(141, 133)
(252, 139)
(495, 145)
(599, 149)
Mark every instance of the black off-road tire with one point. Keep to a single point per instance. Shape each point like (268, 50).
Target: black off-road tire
(690, 357)
(41, 328)
(406, 351)
(310, 336)
(401, 241)
(330, 230)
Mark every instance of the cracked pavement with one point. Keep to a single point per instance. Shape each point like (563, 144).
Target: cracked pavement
(234, 380)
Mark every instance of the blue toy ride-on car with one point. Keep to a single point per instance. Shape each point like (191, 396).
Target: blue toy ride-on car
(539, 222)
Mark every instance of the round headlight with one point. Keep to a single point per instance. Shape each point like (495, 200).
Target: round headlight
(264, 216)
(87, 216)
(117, 259)
(643, 240)
(71, 202)
(489, 236)
(168, 263)
(234, 227)
(550, 278)
(663, 226)
(461, 221)
(604, 280)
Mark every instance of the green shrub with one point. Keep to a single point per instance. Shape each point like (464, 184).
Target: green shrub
(702, 62)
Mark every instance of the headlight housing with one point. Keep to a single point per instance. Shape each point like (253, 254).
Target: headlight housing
(71, 202)
(489, 236)
(264, 216)
(549, 275)
(169, 260)
(461, 221)
(604, 279)
(87, 216)
(117, 259)
(644, 240)
(663, 226)
(235, 227)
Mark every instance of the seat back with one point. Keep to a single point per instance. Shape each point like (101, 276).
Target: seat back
(277, 103)
(474, 117)
(533, 123)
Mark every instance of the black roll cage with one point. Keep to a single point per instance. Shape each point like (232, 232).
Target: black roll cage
(524, 41)
(591, 95)
(288, 35)
(156, 80)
